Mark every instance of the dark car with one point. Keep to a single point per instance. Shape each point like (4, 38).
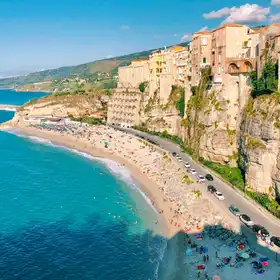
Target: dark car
(209, 177)
(275, 241)
(234, 210)
(211, 189)
(256, 228)
(174, 154)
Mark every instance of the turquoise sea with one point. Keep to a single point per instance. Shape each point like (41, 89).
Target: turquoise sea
(66, 215)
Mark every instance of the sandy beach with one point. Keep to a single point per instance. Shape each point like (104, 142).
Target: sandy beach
(190, 218)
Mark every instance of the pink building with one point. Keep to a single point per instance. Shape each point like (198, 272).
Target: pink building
(230, 51)
(200, 53)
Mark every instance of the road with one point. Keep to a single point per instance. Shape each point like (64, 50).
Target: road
(271, 223)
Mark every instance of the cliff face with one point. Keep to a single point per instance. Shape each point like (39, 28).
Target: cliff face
(212, 120)
(62, 106)
(259, 143)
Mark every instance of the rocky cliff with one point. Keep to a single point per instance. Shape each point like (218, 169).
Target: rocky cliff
(259, 143)
(63, 106)
(212, 118)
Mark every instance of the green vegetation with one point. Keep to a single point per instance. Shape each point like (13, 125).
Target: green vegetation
(268, 82)
(142, 86)
(197, 102)
(265, 201)
(86, 119)
(197, 193)
(89, 71)
(177, 99)
(277, 124)
(186, 179)
(152, 102)
(230, 174)
(254, 143)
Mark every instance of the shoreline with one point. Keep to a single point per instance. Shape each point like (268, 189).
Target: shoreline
(144, 182)
(181, 207)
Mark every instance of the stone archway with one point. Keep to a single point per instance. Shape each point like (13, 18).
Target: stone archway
(232, 67)
(248, 66)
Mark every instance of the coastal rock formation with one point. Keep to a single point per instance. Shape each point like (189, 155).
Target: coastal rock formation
(212, 120)
(63, 106)
(259, 143)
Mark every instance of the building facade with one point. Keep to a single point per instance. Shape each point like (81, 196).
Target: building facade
(124, 108)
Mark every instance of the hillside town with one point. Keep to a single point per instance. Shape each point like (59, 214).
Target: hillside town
(202, 93)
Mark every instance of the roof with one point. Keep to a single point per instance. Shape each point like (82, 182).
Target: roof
(228, 25)
(202, 32)
(177, 48)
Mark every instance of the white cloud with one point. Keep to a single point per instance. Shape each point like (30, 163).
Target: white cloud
(204, 28)
(217, 14)
(124, 27)
(186, 37)
(275, 17)
(275, 2)
(248, 13)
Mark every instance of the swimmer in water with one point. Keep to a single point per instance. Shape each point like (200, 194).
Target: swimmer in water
(101, 173)
(136, 222)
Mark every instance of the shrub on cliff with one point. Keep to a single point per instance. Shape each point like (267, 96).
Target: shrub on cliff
(267, 83)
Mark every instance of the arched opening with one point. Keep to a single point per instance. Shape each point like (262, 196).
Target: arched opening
(248, 66)
(232, 68)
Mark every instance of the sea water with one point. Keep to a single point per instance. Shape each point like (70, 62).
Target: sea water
(11, 97)
(66, 215)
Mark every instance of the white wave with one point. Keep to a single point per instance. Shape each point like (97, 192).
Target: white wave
(147, 199)
(117, 169)
(8, 109)
(40, 140)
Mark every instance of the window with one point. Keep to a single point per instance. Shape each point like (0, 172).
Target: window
(220, 58)
(204, 41)
(204, 60)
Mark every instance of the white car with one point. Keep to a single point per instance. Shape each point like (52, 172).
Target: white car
(192, 171)
(187, 165)
(200, 179)
(219, 195)
(179, 158)
(245, 219)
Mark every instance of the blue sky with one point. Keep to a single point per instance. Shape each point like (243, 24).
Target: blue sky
(41, 34)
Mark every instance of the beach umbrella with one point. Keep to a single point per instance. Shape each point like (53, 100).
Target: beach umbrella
(216, 277)
(245, 256)
(189, 252)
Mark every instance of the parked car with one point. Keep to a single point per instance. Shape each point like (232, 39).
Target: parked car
(174, 154)
(192, 171)
(245, 219)
(275, 241)
(200, 179)
(187, 165)
(209, 177)
(261, 231)
(219, 195)
(256, 228)
(211, 189)
(179, 158)
(234, 210)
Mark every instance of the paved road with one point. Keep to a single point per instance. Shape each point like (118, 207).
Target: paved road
(231, 196)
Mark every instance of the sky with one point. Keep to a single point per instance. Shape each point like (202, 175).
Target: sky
(44, 34)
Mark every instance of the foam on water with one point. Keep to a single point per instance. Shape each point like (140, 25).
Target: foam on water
(116, 169)
(8, 109)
